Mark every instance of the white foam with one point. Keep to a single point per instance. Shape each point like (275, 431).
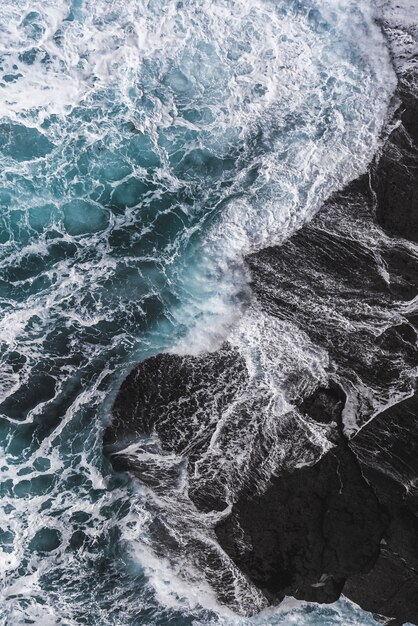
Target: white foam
(297, 169)
(400, 21)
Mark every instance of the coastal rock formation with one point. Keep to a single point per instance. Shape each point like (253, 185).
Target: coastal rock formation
(395, 179)
(309, 531)
(346, 522)
(333, 525)
(180, 400)
(387, 450)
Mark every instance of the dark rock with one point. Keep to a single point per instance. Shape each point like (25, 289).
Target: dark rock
(395, 179)
(387, 449)
(347, 524)
(309, 531)
(163, 388)
(325, 405)
(168, 409)
(350, 522)
(180, 399)
(342, 284)
(390, 588)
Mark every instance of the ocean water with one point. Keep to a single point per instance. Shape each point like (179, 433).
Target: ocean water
(145, 148)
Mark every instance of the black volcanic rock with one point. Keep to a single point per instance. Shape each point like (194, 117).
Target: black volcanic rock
(309, 531)
(342, 281)
(390, 589)
(166, 425)
(163, 388)
(395, 180)
(357, 280)
(178, 399)
(325, 405)
(387, 450)
(347, 524)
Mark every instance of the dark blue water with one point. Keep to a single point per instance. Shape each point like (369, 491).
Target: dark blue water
(145, 147)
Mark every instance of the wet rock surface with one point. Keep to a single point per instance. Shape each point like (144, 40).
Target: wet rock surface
(178, 401)
(395, 180)
(349, 287)
(387, 450)
(348, 524)
(309, 531)
(160, 388)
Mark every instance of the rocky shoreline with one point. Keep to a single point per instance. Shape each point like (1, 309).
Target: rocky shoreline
(348, 522)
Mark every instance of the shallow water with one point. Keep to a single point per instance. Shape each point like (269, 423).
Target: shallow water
(144, 149)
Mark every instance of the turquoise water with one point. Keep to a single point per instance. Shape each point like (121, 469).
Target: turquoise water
(144, 149)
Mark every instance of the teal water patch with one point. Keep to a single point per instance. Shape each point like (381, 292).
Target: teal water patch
(83, 218)
(45, 540)
(22, 143)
